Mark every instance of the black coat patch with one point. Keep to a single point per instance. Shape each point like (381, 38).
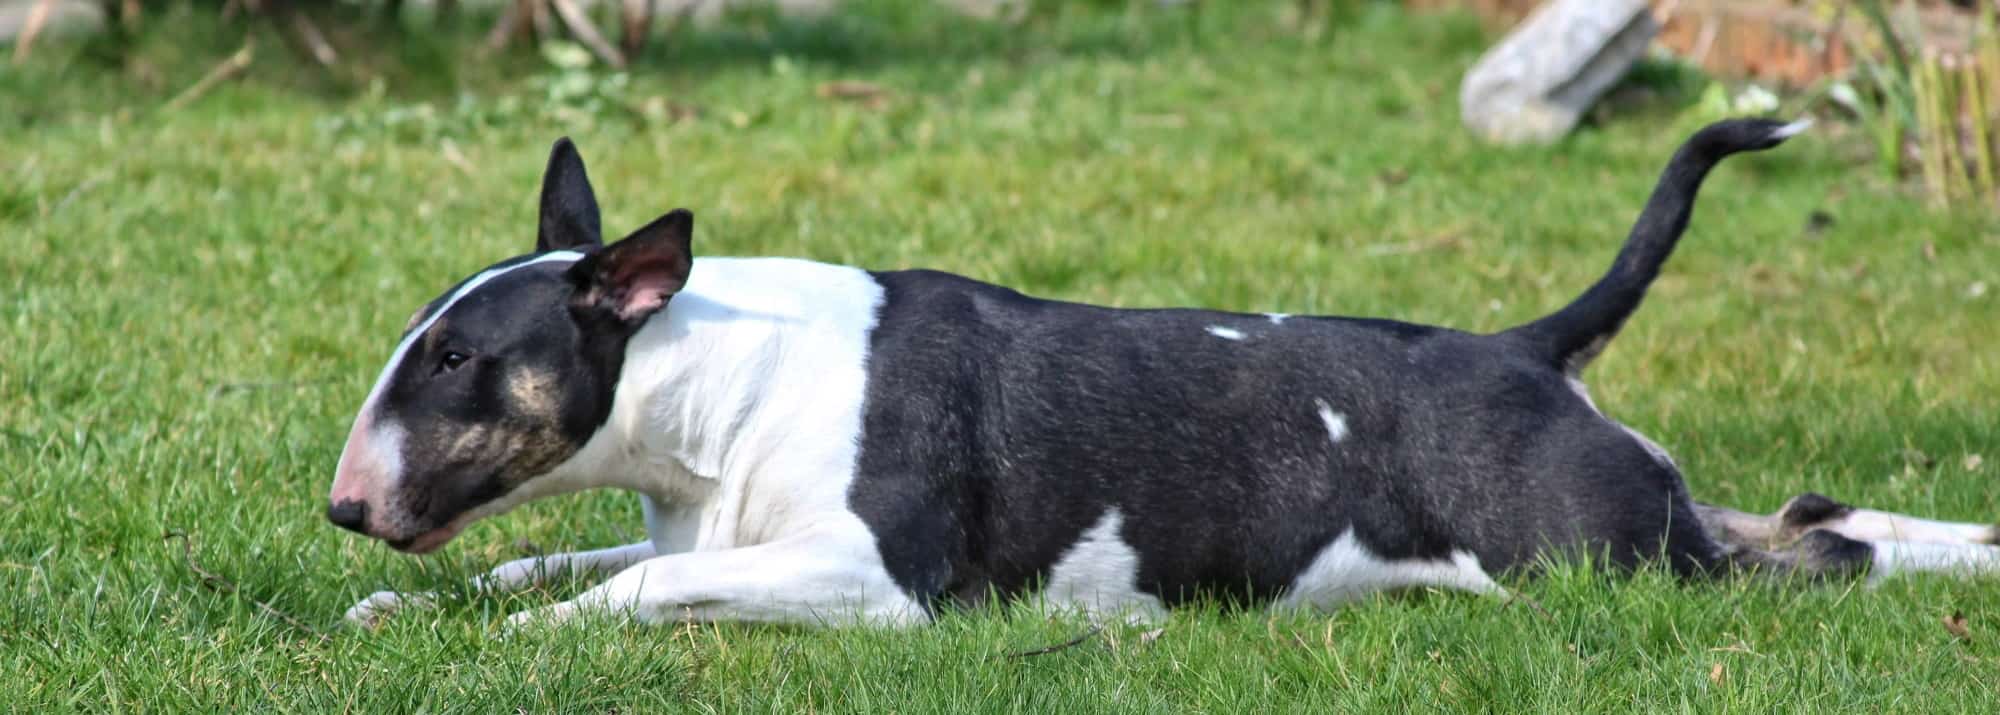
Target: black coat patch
(997, 428)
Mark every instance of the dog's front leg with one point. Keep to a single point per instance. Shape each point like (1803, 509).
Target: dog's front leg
(810, 579)
(511, 576)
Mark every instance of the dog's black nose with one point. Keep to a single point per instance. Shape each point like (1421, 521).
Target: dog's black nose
(350, 515)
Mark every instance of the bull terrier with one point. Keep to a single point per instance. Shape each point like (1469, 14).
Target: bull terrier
(824, 444)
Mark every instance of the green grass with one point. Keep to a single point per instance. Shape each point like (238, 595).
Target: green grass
(194, 303)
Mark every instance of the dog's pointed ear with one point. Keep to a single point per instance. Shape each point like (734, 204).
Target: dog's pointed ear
(569, 207)
(630, 280)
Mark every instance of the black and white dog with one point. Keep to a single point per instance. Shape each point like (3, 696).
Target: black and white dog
(817, 443)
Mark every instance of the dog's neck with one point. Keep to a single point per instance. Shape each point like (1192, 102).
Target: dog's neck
(725, 376)
(694, 382)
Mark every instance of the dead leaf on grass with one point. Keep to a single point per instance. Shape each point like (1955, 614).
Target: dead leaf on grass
(660, 109)
(1716, 674)
(1955, 624)
(866, 94)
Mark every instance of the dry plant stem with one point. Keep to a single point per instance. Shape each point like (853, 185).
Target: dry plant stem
(222, 72)
(1981, 80)
(1518, 597)
(511, 21)
(580, 28)
(637, 24)
(538, 17)
(1982, 133)
(315, 41)
(1957, 176)
(1065, 645)
(38, 17)
(1831, 38)
(215, 582)
(1929, 148)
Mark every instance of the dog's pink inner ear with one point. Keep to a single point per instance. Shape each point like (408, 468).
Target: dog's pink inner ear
(645, 284)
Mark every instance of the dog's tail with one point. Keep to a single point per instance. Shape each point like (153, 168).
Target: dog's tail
(1572, 336)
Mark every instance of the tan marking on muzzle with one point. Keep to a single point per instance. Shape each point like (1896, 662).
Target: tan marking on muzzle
(534, 393)
(468, 443)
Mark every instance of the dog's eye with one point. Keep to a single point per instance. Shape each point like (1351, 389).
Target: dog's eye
(451, 360)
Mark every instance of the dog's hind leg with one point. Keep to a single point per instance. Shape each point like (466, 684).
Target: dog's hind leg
(511, 576)
(1810, 511)
(1815, 537)
(1899, 557)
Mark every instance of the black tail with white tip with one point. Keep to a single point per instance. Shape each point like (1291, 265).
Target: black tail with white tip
(1572, 336)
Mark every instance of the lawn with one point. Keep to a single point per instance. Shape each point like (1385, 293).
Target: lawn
(194, 302)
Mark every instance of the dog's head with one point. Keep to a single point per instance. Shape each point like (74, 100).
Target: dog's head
(506, 375)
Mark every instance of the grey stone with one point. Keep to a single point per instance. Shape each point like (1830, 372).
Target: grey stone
(1536, 84)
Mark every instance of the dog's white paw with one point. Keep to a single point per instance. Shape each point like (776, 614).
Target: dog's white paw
(544, 617)
(378, 605)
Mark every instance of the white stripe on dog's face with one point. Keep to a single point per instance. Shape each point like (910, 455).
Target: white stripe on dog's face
(403, 348)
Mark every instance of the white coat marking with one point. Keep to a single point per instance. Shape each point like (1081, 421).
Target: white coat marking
(1892, 558)
(1653, 449)
(1791, 130)
(748, 519)
(1871, 525)
(751, 518)
(1346, 570)
(1658, 453)
(1336, 423)
(1225, 333)
(1100, 574)
(1277, 318)
(1583, 391)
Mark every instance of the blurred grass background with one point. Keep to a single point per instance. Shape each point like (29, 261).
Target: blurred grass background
(195, 301)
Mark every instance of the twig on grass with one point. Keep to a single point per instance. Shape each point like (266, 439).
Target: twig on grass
(511, 22)
(217, 583)
(580, 28)
(1513, 596)
(229, 387)
(229, 67)
(315, 42)
(87, 184)
(636, 19)
(1065, 645)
